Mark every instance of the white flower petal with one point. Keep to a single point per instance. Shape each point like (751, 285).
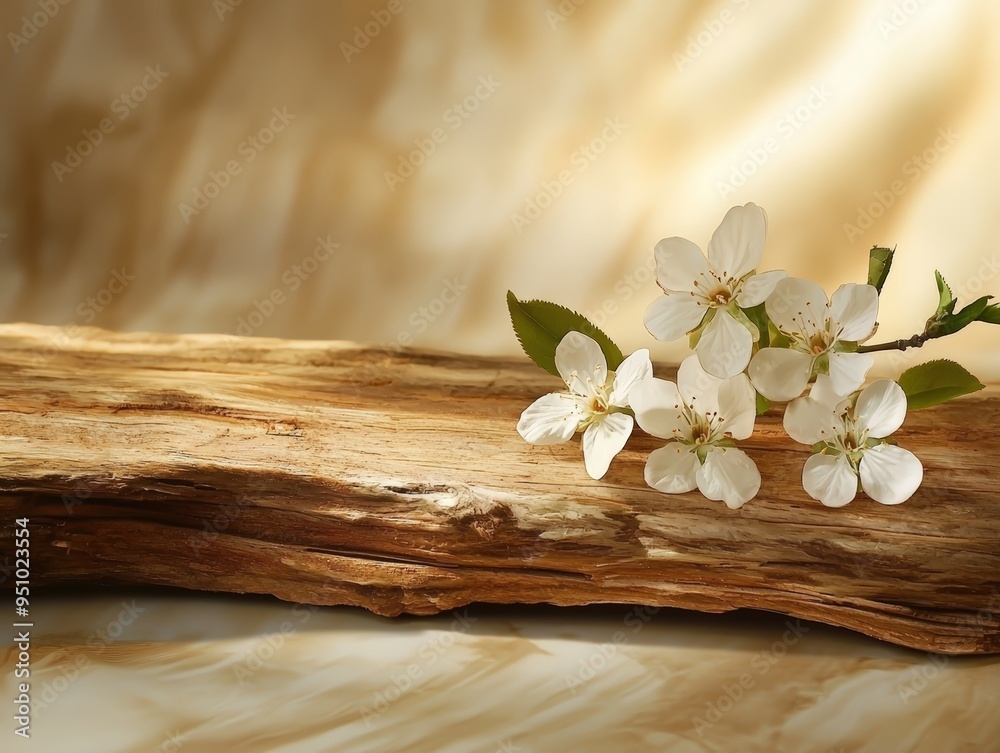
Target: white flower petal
(848, 371)
(737, 245)
(672, 316)
(830, 479)
(603, 440)
(672, 469)
(797, 305)
(632, 370)
(551, 419)
(890, 474)
(808, 420)
(823, 392)
(881, 408)
(730, 475)
(679, 264)
(725, 346)
(854, 308)
(757, 288)
(658, 409)
(698, 388)
(738, 406)
(780, 373)
(581, 363)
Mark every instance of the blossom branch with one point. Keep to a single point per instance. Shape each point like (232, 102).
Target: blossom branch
(913, 342)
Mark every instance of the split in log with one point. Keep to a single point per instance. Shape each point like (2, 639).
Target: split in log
(393, 479)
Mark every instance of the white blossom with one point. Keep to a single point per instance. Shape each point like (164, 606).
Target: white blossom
(702, 415)
(595, 403)
(706, 297)
(822, 337)
(850, 434)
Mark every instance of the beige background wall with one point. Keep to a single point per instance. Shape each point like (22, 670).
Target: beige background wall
(839, 102)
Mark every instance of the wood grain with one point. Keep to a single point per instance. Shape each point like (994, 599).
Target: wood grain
(393, 479)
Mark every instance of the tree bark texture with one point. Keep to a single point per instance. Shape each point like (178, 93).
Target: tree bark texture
(393, 479)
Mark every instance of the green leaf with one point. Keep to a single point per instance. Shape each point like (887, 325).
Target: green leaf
(695, 335)
(540, 325)
(879, 263)
(758, 316)
(741, 316)
(936, 382)
(762, 404)
(952, 323)
(777, 339)
(946, 299)
(990, 314)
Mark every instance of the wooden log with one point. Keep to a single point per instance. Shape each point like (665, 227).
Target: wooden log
(394, 479)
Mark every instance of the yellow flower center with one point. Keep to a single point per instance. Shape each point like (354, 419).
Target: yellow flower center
(720, 296)
(820, 342)
(700, 433)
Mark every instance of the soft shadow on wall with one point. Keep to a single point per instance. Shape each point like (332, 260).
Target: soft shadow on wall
(385, 171)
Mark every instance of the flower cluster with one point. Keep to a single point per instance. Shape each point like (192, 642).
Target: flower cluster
(757, 337)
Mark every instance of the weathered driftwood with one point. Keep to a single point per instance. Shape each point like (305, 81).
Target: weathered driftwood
(336, 473)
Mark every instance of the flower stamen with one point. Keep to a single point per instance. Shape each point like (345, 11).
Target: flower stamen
(720, 296)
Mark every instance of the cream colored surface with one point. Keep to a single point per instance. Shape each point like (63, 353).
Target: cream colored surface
(843, 94)
(129, 672)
